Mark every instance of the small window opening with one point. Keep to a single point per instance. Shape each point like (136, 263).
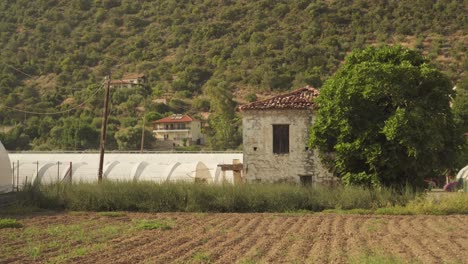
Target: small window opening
(306, 148)
(280, 139)
(255, 148)
(306, 180)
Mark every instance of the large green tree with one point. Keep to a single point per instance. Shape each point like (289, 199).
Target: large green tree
(384, 118)
(224, 123)
(460, 110)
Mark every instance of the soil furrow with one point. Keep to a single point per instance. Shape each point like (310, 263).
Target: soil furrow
(221, 238)
(391, 239)
(413, 241)
(151, 241)
(273, 226)
(297, 251)
(320, 250)
(247, 223)
(237, 238)
(443, 248)
(288, 237)
(171, 244)
(230, 255)
(339, 240)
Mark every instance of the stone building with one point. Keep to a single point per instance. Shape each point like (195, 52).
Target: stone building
(275, 139)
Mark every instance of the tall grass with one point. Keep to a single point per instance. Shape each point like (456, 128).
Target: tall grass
(187, 197)
(449, 203)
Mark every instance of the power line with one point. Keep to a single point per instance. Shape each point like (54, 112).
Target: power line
(20, 71)
(59, 112)
(35, 78)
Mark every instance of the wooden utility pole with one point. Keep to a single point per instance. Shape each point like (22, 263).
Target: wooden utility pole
(104, 128)
(143, 134)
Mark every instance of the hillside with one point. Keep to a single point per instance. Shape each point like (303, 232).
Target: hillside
(199, 54)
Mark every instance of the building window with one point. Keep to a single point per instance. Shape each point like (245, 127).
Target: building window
(280, 139)
(306, 179)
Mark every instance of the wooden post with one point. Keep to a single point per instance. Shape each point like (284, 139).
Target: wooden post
(237, 173)
(37, 170)
(236, 168)
(13, 175)
(58, 171)
(71, 172)
(143, 135)
(104, 128)
(17, 175)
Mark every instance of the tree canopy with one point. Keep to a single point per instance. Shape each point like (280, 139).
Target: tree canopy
(384, 118)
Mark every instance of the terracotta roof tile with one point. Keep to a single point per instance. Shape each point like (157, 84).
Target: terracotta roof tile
(120, 82)
(174, 119)
(133, 76)
(298, 99)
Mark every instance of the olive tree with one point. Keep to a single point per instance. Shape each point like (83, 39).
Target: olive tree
(384, 119)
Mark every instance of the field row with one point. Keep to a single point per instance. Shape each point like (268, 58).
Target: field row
(236, 238)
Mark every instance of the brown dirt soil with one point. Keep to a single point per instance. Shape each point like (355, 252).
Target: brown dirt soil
(235, 238)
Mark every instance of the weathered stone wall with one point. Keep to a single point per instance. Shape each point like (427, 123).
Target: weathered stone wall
(261, 164)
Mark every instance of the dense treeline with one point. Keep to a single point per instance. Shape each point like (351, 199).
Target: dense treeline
(55, 54)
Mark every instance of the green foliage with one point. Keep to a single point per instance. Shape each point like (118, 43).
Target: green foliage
(460, 111)
(129, 138)
(188, 197)
(112, 214)
(223, 120)
(57, 50)
(154, 224)
(251, 97)
(9, 223)
(386, 118)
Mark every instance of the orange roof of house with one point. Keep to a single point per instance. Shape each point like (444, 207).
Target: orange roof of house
(174, 119)
(133, 76)
(119, 82)
(298, 99)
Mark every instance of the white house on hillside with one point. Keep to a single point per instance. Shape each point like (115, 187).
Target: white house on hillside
(179, 129)
(275, 139)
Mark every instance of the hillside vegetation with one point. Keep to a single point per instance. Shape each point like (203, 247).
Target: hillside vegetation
(203, 55)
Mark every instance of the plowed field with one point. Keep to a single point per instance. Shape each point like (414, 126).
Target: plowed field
(236, 238)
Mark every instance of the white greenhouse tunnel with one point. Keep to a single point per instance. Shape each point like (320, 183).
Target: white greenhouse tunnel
(157, 167)
(463, 174)
(5, 171)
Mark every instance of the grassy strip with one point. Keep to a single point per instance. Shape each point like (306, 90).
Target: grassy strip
(154, 224)
(112, 214)
(455, 203)
(9, 223)
(187, 197)
(376, 258)
(67, 240)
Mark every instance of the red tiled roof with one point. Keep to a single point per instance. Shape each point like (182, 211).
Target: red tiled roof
(298, 99)
(174, 119)
(133, 76)
(120, 82)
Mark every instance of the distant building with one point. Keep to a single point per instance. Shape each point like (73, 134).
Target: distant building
(179, 129)
(275, 139)
(129, 80)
